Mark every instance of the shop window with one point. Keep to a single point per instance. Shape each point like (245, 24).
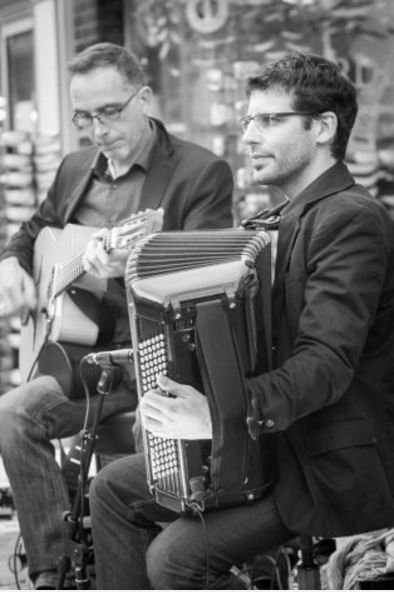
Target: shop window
(20, 67)
(18, 74)
(198, 52)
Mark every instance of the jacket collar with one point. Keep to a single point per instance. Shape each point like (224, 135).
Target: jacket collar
(336, 178)
(157, 177)
(160, 169)
(77, 193)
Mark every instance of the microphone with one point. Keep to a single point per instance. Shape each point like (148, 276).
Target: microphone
(115, 357)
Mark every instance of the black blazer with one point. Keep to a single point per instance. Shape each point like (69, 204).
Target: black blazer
(192, 185)
(331, 397)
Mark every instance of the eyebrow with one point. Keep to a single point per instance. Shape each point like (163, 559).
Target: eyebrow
(113, 104)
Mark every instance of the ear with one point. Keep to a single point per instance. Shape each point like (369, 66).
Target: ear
(327, 124)
(145, 98)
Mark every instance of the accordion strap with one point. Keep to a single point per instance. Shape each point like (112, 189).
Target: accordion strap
(222, 377)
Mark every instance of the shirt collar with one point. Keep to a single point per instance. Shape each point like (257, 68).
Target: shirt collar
(101, 166)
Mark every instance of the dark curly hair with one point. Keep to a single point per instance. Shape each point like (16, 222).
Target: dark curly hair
(316, 85)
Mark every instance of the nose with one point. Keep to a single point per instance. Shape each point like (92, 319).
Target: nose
(251, 134)
(98, 128)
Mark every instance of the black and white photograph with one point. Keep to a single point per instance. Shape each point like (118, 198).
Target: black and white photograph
(197, 294)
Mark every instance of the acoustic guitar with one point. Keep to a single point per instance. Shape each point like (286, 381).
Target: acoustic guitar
(68, 308)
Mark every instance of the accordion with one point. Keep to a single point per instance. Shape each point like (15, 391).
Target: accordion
(199, 308)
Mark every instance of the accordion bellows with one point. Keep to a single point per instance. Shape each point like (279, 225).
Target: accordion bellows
(199, 308)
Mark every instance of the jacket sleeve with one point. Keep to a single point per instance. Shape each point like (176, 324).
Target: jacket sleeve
(340, 290)
(21, 244)
(209, 202)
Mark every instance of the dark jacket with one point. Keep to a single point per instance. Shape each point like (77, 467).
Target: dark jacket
(330, 398)
(192, 185)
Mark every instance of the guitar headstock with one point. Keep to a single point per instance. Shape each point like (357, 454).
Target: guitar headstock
(133, 229)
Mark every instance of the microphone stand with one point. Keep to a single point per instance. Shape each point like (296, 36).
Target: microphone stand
(78, 550)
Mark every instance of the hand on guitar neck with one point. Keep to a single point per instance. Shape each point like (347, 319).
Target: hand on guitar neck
(17, 290)
(106, 253)
(104, 256)
(102, 263)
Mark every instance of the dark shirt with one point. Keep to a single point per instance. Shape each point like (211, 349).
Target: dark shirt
(107, 203)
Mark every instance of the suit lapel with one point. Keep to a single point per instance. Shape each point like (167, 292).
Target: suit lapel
(76, 195)
(335, 179)
(156, 181)
(159, 171)
(288, 229)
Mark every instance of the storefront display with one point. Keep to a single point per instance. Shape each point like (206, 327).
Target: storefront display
(198, 53)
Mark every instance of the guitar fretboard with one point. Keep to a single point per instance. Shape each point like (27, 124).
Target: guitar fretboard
(131, 230)
(67, 274)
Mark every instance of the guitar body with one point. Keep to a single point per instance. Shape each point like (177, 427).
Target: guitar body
(60, 318)
(62, 360)
(70, 308)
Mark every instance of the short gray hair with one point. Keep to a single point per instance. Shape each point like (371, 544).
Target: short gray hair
(104, 55)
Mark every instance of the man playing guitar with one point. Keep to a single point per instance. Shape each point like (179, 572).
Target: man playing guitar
(133, 165)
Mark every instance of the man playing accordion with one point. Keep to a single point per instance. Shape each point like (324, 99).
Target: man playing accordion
(328, 400)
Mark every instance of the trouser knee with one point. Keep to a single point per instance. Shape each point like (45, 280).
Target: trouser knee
(10, 426)
(104, 491)
(167, 566)
(24, 409)
(156, 567)
(98, 490)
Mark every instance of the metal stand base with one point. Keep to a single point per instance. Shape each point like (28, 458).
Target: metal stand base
(79, 550)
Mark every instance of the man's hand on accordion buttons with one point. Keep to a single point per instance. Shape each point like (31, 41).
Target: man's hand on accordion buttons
(184, 415)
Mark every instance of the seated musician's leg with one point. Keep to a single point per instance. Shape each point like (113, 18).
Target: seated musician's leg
(30, 417)
(123, 523)
(25, 431)
(177, 558)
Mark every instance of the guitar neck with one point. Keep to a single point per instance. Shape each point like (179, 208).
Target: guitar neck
(128, 232)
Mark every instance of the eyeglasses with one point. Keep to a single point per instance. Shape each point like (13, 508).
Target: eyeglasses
(266, 120)
(83, 119)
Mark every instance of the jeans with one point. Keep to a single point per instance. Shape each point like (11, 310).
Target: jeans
(133, 551)
(30, 417)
